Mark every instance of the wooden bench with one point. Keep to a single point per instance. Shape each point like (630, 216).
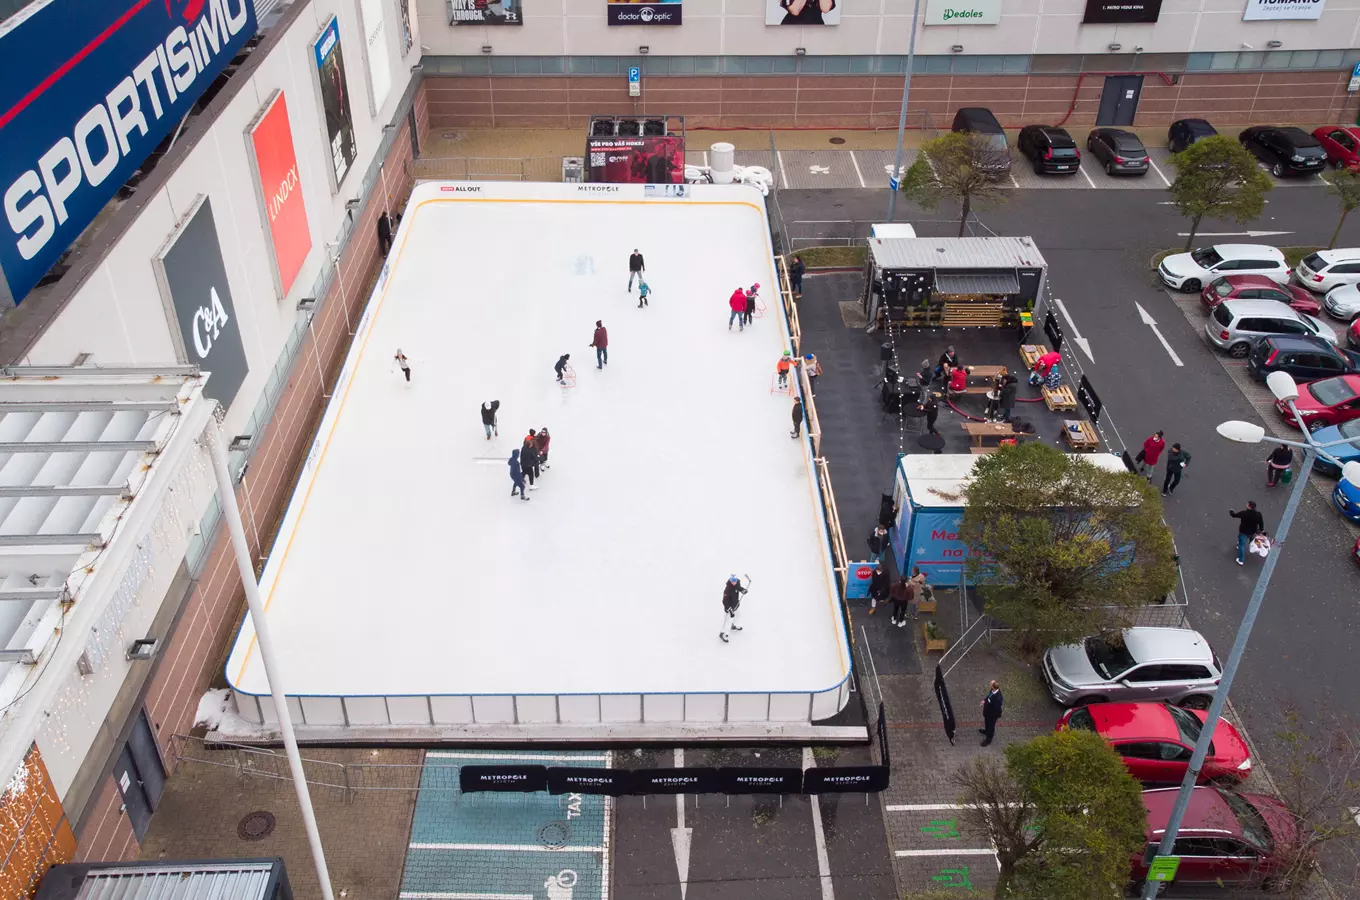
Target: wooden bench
(983, 451)
(1084, 438)
(973, 315)
(1030, 353)
(1060, 399)
(980, 431)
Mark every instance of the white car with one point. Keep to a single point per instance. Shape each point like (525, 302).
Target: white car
(1343, 302)
(1327, 269)
(1190, 272)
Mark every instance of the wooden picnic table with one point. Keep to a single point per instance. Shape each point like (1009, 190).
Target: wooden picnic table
(980, 431)
(986, 371)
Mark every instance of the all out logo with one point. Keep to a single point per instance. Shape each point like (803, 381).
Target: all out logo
(287, 185)
(208, 322)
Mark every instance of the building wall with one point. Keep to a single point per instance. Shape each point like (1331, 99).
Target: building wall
(34, 832)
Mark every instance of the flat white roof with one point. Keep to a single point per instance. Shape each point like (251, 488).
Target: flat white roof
(939, 480)
(404, 567)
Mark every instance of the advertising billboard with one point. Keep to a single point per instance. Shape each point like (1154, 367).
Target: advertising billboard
(485, 12)
(1120, 12)
(1276, 10)
(87, 90)
(193, 282)
(628, 12)
(269, 144)
(330, 73)
(376, 59)
(802, 12)
(965, 12)
(636, 160)
(404, 20)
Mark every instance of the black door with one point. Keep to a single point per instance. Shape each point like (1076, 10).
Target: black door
(415, 131)
(140, 775)
(1119, 100)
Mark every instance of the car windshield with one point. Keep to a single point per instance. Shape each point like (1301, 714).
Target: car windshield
(1188, 724)
(1332, 391)
(1253, 824)
(1221, 287)
(1109, 660)
(1314, 262)
(1223, 316)
(1081, 718)
(1206, 257)
(1310, 151)
(994, 142)
(1350, 429)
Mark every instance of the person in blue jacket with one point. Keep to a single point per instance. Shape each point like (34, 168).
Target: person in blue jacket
(516, 476)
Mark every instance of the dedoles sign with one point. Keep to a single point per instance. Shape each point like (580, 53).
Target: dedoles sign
(963, 12)
(88, 88)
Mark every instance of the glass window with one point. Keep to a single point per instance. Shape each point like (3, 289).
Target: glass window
(553, 65)
(682, 65)
(1328, 58)
(656, 65)
(1198, 62)
(811, 64)
(734, 65)
(1250, 59)
(938, 65)
(759, 65)
(1056, 63)
(528, 65)
(1172, 752)
(1254, 827)
(1108, 659)
(1015, 64)
(502, 65)
(965, 64)
(785, 65)
(861, 65)
(1224, 60)
(1303, 59)
(1331, 392)
(920, 65)
(578, 65)
(705, 65)
(480, 65)
(605, 65)
(1138, 750)
(1147, 675)
(836, 65)
(1350, 57)
(891, 65)
(1278, 59)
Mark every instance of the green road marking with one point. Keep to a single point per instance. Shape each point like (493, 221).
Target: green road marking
(954, 878)
(942, 828)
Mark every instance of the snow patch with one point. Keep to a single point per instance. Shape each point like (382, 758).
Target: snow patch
(211, 708)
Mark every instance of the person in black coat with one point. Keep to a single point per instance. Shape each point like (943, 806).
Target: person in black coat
(796, 269)
(932, 407)
(949, 359)
(991, 711)
(489, 410)
(878, 543)
(528, 459)
(1009, 386)
(731, 601)
(384, 233)
(887, 511)
(878, 588)
(1250, 523)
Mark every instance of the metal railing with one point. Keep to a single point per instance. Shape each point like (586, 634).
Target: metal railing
(478, 168)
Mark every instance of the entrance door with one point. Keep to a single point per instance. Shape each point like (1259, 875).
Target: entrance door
(415, 131)
(140, 775)
(1119, 100)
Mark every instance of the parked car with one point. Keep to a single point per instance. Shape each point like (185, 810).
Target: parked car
(1353, 335)
(1224, 837)
(1258, 287)
(1173, 664)
(1343, 302)
(1329, 401)
(1327, 269)
(979, 120)
(1355, 552)
(1120, 152)
(1341, 144)
(1049, 149)
(1344, 453)
(1346, 496)
(1285, 151)
(1235, 324)
(1156, 740)
(1190, 272)
(1304, 358)
(1184, 132)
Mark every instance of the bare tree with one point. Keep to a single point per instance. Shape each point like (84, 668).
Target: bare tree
(959, 166)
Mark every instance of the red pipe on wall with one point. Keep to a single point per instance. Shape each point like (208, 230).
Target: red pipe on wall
(1170, 82)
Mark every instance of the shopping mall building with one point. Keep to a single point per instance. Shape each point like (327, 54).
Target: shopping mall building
(194, 186)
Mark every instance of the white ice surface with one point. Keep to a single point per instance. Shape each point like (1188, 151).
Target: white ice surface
(403, 565)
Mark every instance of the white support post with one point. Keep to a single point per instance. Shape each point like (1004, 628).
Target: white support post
(231, 514)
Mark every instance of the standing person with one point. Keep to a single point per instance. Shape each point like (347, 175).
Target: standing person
(991, 711)
(878, 543)
(1009, 385)
(931, 405)
(887, 512)
(1176, 461)
(737, 303)
(813, 369)
(516, 476)
(635, 268)
(732, 592)
(901, 594)
(796, 270)
(797, 418)
(561, 366)
(782, 368)
(541, 445)
(384, 234)
(528, 459)
(922, 591)
(404, 364)
(993, 411)
(643, 291)
(1151, 452)
(878, 588)
(949, 359)
(1250, 523)
(1279, 461)
(927, 373)
(751, 302)
(601, 344)
(489, 410)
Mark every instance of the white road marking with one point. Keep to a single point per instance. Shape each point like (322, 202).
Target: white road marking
(1173, 202)
(681, 837)
(1159, 172)
(1077, 339)
(819, 170)
(1084, 174)
(1152, 323)
(925, 807)
(858, 173)
(823, 860)
(515, 848)
(783, 178)
(1013, 181)
(1233, 233)
(958, 852)
(454, 754)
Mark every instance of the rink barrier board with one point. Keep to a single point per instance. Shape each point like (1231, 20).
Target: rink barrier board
(693, 780)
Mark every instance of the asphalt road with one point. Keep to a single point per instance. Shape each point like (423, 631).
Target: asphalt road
(1098, 244)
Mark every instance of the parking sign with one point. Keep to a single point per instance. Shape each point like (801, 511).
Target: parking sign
(634, 74)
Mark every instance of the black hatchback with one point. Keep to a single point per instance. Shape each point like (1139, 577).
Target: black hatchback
(1121, 152)
(1305, 358)
(1285, 151)
(1184, 132)
(1049, 149)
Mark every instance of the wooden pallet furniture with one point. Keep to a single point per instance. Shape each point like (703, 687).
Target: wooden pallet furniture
(1081, 435)
(1030, 353)
(973, 315)
(984, 451)
(1060, 399)
(979, 432)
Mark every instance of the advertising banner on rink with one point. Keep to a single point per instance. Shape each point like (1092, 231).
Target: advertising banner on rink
(636, 160)
(485, 12)
(269, 142)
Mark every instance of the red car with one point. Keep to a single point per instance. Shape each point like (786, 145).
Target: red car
(1259, 287)
(1224, 837)
(1342, 143)
(1156, 740)
(1355, 551)
(1353, 335)
(1330, 401)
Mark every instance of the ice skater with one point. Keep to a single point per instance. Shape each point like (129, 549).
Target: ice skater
(635, 268)
(782, 368)
(516, 476)
(528, 458)
(541, 445)
(644, 290)
(751, 293)
(797, 417)
(561, 367)
(732, 592)
(737, 303)
(601, 344)
(489, 410)
(404, 364)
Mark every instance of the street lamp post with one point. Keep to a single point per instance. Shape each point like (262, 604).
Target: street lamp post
(894, 180)
(1284, 389)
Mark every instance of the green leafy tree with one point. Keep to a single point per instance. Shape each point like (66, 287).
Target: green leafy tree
(1344, 185)
(1063, 549)
(954, 166)
(1218, 177)
(1063, 813)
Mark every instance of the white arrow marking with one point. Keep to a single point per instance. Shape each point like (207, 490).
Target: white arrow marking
(1254, 234)
(820, 170)
(680, 835)
(1077, 339)
(1152, 323)
(819, 834)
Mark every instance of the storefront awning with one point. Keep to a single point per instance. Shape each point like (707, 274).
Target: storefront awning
(991, 283)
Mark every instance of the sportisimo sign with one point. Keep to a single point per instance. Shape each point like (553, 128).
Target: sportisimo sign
(963, 12)
(88, 88)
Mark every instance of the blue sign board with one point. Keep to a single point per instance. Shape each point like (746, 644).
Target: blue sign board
(88, 88)
(635, 74)
(1355, 71)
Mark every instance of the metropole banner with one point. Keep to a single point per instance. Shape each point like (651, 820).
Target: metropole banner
(1275, 10)
(193, 283)
(269, 144)
(88, 88)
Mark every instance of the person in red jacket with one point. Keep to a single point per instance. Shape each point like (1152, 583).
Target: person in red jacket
(958, 380)
(601, 344)
(1044, 365)
(737, 303)
(1151, 452)
(541, 441)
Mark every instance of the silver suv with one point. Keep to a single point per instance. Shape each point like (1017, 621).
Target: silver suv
(1171, 664)
(1235, 325)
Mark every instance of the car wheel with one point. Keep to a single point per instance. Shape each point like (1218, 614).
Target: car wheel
(1087, 701)
(1195, 701)
(1277, 170)
(1109, 168)
(1239, 351)
(1038, 169)
(1191, 286)
(1316, 425)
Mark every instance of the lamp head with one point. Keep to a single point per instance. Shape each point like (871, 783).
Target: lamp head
(1282, 385)
(1351, 472)
(1243, 432)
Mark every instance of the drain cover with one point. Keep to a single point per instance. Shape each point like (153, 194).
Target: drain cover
(838, 140)
(452, 135)
(555, 835)
(255, 826)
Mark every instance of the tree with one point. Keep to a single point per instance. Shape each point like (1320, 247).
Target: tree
(1063, 813)
(955, 166)
(1344, 185)
(1218, 177)
(1063, 549)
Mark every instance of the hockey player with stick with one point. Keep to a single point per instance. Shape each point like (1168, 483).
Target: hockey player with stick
(731, 601)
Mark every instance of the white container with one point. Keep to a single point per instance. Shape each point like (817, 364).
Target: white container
(720, 157)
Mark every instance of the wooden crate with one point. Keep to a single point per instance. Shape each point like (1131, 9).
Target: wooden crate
(1030, 353)
(1060, 399)
(1084, 439)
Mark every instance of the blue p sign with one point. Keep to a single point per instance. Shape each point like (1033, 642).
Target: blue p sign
(634, 74)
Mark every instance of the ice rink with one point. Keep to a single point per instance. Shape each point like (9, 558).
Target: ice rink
(405, 572)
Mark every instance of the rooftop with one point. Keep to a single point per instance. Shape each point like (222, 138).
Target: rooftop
(955, 253)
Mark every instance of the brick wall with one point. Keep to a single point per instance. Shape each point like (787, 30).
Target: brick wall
(868, 101)
(194, 653)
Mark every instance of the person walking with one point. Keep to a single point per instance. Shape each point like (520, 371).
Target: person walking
(601, 344)
(561, 367)
(384, 234)
(782, 369)
(813, 369)
(750, 294)
(901, 594)
(922, 591)
(878, 588)
(489, 410)
(1250, 523)
(635, 268)
(1176, 461)
(796, 270)
(931, 405)
(404, 364)
(541, 443)
(644, 291)
(1151, 452)
(528, 459)
(887, 512)
(1279, 462)
(1009, 385)
(797, 418)
(737, 303)
(731, 601)
(991, 711)
(516, 476)
(878, 543)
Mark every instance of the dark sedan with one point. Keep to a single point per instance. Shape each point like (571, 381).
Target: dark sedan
(1285, 151)
(1120, 152)
(1184, 132)
(1049, 150)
